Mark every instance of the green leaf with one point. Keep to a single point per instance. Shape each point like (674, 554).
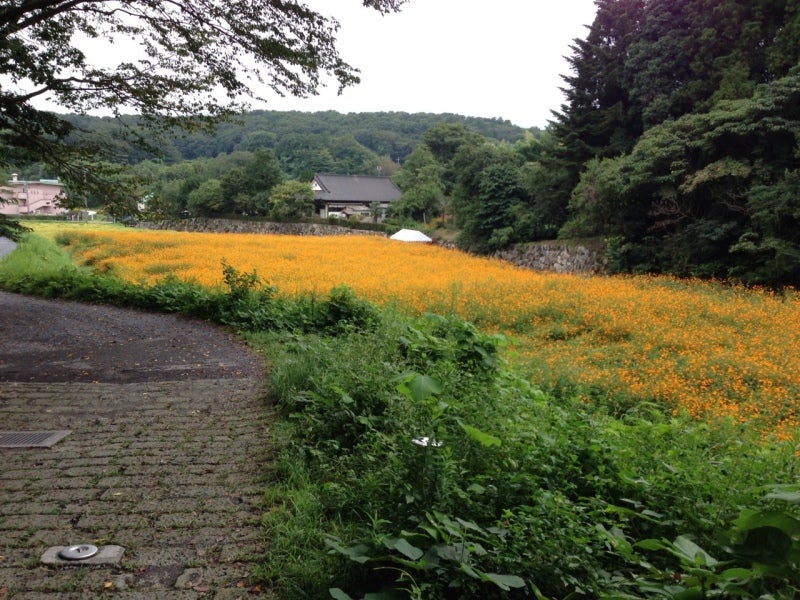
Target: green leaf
(469, 525)
(339, 594)
(736, 574)
(476, 488)
(684, 548)
(447, 552)
(780, 520)
(787, 493)
(403, 547)
(768, 545)
(420, 387)
(688, 550)
(484, 439)
(356, 553)
(504, 582)
(690, 594)
(653, 545)
(469, 570)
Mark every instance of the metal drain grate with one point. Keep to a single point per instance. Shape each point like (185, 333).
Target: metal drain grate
(31, 439)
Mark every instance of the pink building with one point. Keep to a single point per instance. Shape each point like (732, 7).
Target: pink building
(30, 197)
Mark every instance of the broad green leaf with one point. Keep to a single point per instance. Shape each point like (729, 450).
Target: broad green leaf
(479, 436)
(476, 488)
(651, 544)
(420, 387)
(447, 552)
(504, 582)
(469, 570)
(356, 553)
(788, 493)
(736, 573)
(469, 525)
(403, 547)
(768, 545)
(690, 594)
(778, 519)
(339, 594)
(785, 495)
(693, 553)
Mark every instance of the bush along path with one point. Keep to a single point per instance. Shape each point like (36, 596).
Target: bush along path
(169, 435)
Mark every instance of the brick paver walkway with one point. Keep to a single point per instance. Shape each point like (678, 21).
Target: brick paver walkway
(168, 470)
(167, 455)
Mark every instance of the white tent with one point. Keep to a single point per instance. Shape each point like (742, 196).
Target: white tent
(410, 235)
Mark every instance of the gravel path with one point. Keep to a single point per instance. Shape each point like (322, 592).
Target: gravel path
(167, 451)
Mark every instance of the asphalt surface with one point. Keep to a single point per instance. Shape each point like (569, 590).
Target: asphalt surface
(169, 441)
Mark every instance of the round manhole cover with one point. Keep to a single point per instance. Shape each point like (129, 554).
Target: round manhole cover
(79, 552)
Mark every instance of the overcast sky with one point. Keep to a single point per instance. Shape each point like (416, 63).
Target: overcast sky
(496, 58)
(501, 58)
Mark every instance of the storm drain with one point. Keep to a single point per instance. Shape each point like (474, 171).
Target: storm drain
(31, 439)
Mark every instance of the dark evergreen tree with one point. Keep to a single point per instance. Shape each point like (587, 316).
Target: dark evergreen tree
(598, 117)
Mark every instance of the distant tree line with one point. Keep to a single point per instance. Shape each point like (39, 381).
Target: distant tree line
(304, 142)
(235, 170)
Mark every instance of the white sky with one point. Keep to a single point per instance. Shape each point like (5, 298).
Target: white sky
(502, 58)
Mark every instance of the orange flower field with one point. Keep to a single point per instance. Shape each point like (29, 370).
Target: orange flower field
(699, 347)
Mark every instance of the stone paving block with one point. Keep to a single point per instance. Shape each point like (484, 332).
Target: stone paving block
(63, 496)
(27, 508)
(189, 519)
(128, 494)
(32, 522)
(78, 461)
(149, 556)
(14, 485)
(50, 537)
(250, 553)
(112, 522)
(61, 483)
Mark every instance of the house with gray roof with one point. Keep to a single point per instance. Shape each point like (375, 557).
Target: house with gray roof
(352, 195)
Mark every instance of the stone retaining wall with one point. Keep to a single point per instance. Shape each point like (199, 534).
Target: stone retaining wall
(234, 226)
(552, 256)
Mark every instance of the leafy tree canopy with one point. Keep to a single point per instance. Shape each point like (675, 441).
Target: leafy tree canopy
(197, 58)
(291, 200)
(709, 194)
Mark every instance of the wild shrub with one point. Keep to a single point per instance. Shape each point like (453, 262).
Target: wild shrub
(443, 475)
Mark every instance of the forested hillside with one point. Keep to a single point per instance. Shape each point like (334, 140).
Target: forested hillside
(234, 169)
(304, 135)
